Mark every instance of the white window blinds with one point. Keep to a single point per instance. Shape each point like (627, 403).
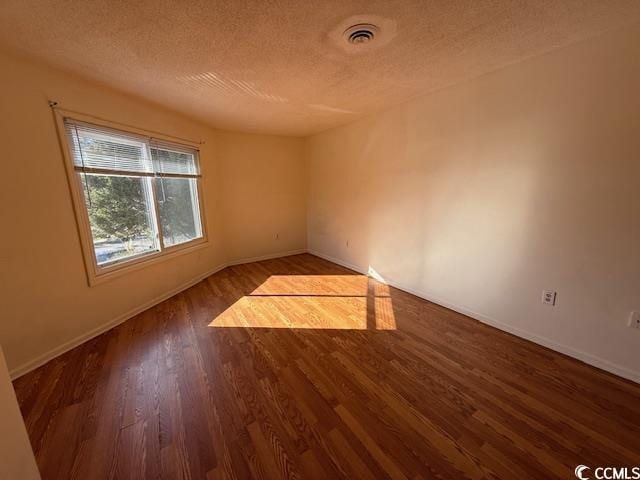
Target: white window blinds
(97, 149)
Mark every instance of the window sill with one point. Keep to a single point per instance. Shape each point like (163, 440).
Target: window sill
(101, 275)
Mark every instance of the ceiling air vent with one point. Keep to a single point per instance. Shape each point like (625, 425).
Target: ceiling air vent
(361, 33)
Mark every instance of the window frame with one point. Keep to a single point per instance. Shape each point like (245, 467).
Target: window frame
(96, 273)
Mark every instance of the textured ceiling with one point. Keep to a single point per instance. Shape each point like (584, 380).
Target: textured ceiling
(281, 66)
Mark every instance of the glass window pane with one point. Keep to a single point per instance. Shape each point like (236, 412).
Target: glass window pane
(121, 214)
(178, 208)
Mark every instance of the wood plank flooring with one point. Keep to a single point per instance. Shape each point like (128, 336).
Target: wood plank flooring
(299, 368)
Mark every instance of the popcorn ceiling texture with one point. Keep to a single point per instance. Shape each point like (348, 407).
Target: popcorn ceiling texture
(278, 66)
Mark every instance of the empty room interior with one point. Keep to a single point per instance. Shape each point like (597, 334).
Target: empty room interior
(278, 239)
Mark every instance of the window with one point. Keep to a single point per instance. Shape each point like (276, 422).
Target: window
(139, 195)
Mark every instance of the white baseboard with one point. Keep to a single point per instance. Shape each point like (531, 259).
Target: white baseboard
(585, 357)
(266, 257)
(546, 342)
(74, 342)
(344, 263)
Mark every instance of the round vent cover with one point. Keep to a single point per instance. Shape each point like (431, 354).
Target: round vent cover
(360, 33)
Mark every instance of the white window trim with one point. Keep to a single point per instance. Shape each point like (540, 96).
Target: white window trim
(95, 273)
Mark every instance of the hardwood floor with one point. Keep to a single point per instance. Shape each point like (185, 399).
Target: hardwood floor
(299, 368)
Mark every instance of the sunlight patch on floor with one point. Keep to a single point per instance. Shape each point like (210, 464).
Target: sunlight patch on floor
(351, 302)
(313, 285)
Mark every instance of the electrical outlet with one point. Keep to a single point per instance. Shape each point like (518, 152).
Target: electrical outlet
(634, 320)
(548, 297)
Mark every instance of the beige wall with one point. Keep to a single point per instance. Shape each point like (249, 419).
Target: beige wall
(483, 194)
(46, 304)
(16, 457)
(263, 193)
